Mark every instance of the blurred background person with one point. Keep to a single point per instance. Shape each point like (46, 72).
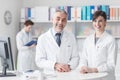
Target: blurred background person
(26, 53)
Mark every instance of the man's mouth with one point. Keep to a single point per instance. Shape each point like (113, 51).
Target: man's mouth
(98, 27)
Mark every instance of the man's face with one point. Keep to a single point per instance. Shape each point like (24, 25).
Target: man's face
(59, 21)
(28, 28)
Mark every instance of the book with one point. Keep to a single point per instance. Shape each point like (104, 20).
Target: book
(84, 13)
(73, 14)
(106, 9)
(90, 12)
(78, 16)
(31, 43)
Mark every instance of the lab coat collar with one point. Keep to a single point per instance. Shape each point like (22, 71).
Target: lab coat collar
(51, 37)
(63, 39)
(54, 32)
(99, 40)
(27, 35)
(101, 37)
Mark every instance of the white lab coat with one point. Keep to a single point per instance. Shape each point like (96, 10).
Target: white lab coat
(25, 54)
(101, 56)
(48, 52)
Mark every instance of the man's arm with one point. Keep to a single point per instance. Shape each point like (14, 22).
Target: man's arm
(41, 57)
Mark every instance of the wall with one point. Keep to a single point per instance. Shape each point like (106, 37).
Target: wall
(14, 7)
(32, 3)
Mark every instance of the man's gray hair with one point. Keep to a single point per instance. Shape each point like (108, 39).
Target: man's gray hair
(61, 11)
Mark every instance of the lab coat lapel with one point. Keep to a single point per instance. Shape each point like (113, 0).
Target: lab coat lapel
(52, 40)
(26, 37)
(102, 37)
(93, 41)
(95, 45)
(64, 39)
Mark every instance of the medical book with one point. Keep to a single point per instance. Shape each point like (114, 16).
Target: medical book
(31, 43)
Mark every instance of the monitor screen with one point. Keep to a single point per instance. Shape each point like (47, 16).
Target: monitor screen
(6, 56)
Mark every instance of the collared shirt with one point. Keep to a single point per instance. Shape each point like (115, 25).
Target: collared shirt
(54, 33)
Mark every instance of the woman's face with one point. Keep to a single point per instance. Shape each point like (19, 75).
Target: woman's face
(99, 24)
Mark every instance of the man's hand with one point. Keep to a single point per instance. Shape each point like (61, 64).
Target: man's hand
(86, 69)
(32, 46)
(62, 67)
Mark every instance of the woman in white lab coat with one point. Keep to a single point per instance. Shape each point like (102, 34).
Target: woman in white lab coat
(99, 51)
(25, 53)
(49, 55)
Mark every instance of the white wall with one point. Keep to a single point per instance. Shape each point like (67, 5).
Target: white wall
(10, 30)
(32, 3)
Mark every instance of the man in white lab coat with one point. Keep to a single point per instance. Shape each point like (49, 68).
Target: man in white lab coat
(25, 53)
(51, 56)
(99, 51)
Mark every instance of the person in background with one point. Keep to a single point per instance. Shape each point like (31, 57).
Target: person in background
(56, 49)
(99, 51)
(26, 54)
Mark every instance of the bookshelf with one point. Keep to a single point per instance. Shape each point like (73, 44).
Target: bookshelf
(78, 23)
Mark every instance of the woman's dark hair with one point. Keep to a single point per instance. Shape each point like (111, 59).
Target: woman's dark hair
(99, 13)
(28, 22)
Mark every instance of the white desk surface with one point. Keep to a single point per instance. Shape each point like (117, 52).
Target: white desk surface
(73, 75)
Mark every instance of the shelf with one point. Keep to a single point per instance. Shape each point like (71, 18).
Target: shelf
(82, 37)
(117, 37)
(35, 37)
(84, 21)
(75, 21)
(46, 21)
(91, 21)
(113, 21)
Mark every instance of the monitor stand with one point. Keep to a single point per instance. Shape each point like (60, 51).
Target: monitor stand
(4, 72)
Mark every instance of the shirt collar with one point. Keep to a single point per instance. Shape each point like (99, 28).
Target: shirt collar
(54, 32)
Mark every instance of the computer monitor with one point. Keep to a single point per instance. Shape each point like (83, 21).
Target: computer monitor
(6, 56)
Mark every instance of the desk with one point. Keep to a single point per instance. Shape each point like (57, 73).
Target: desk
(73, 75)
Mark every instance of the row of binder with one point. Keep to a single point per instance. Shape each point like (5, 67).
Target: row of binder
(44, 13)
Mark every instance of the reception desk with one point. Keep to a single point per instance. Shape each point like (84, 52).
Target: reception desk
(73, 75)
